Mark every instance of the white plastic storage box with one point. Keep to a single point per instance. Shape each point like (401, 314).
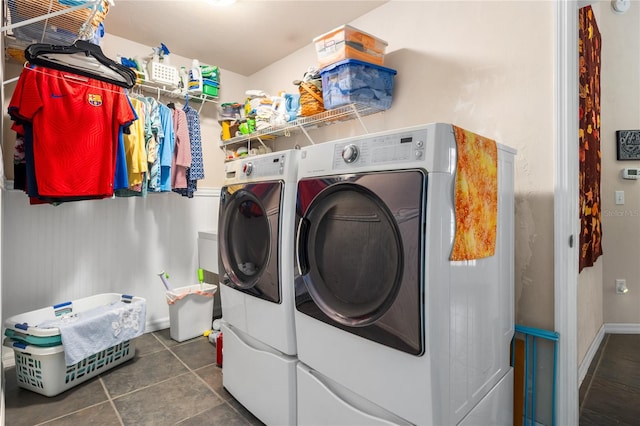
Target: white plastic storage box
(24, 327)
(163, 74)
(43, 369)
(352, 81)
(190, 311)
(347, 42)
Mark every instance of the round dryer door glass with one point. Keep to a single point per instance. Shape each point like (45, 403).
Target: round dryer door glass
(246, 239)
(353, 249)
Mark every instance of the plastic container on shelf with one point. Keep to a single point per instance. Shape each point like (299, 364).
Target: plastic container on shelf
(190, 311)
(195, 78)
(347, 42)
(210, 72)
(354, 81)
(163, 74)
(210, 87)
(184, 79)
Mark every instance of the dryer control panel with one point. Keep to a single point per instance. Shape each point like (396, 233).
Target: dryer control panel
(264, 166)
(391, 148)
(259, 167)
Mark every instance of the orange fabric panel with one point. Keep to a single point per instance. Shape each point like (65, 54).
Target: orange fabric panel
(589, 49)
(476, 196)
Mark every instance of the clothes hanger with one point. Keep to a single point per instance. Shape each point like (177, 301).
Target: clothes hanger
(82, 58)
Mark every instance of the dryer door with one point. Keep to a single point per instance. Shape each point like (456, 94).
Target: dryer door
(248, 233)
(360, 254)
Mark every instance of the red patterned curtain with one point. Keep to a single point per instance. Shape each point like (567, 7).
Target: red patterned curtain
(589, 51)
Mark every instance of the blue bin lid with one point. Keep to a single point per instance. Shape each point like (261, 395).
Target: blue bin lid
(356, 62)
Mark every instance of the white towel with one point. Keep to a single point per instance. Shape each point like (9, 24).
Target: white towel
(86, 333)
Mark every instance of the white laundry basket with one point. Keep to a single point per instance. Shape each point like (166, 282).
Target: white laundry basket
(39, 353)
(43, 369)
(24, 327)
(190, 310)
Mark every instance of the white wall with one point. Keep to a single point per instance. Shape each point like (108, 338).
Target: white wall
(620, 111)
(56, 254)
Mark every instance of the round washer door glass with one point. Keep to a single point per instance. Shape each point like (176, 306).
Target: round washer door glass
(354, 251)
(248, 232)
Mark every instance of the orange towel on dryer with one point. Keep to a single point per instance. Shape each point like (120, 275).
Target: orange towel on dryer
(476, 196)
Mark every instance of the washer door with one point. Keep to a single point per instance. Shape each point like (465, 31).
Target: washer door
(359, 251)
(248, 233)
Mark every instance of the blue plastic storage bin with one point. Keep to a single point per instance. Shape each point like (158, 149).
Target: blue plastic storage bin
(353, 81)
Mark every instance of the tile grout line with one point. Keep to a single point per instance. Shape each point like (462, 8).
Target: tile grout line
(109, 399)
(111, 402)
(189, 371)
(224, 401)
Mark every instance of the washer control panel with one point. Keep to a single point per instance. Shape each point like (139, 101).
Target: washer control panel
(393, 148)
(256, 167)
(261, 166)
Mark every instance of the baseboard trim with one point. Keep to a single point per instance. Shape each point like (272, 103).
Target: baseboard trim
(612, 328)
(622, 328)
(590, 355)
(160, 324)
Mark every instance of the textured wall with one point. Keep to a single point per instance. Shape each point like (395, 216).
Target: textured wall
(55, 254)
(620, 111)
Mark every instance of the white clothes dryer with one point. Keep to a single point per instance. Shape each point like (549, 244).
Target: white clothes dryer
(389, 330)
(256, 243)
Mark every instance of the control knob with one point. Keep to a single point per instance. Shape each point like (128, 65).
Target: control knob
(247, 168)
(350, 153)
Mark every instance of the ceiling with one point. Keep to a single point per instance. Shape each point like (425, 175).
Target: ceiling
(243, 37)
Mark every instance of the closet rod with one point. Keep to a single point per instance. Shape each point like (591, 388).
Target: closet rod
(11, 80)
(89, 3)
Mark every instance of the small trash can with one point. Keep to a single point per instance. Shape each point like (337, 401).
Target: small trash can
(190, 310)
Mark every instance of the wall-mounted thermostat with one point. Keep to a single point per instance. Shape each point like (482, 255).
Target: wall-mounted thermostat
(631, 173)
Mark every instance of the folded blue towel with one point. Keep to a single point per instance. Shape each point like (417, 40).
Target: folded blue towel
(86, 333)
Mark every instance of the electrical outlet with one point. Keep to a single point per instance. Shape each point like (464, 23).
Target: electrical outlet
(621, 286)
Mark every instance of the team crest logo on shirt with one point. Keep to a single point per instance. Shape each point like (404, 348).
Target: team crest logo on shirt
(95, 100)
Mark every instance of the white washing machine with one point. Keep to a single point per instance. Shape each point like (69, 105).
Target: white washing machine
(256, 245)
(389, 330)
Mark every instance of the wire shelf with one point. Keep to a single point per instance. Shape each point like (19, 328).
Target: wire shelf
(49, 21)
(343, 113)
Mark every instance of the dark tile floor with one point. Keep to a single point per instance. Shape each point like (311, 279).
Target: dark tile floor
(166, 383)
(610, 392)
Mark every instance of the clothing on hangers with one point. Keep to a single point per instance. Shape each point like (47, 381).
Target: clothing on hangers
(181, 150)
(196, 171)
(71, 132)
(166, 144)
